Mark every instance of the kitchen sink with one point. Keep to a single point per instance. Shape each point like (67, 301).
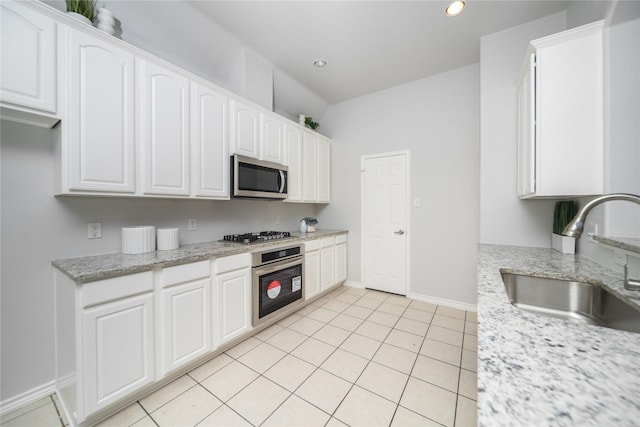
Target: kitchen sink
(571, 300)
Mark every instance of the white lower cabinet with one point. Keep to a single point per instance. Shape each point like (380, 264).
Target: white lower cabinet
(312, 268)
(341, 258)
(325, 264)
(327, 261)
(232, 297)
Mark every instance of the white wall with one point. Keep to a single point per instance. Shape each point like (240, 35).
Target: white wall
(37, 227)
(437, 119)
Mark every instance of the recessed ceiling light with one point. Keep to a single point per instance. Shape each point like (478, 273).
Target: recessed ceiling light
(320, 63)
(455, 8)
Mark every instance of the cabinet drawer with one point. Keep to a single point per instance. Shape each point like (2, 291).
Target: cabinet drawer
(313, 245)
(185, 273)
(341, 238)
(116, 288)
(325, 242)
(234, 262)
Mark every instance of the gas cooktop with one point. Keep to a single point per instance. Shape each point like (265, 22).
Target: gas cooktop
(259, 237)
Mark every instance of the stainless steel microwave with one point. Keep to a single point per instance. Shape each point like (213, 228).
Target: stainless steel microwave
(257, 179)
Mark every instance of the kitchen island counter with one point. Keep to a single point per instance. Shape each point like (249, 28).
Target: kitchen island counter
(535, 370)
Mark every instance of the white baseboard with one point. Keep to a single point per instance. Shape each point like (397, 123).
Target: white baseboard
(353, 284)
(445, 302)
(27, 397)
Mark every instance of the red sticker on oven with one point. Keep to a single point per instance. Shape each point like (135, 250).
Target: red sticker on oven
(274, 288)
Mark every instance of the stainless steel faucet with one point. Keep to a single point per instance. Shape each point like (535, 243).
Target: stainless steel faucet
(576, 226)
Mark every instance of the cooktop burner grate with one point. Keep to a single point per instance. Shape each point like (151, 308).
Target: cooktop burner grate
(259, 237)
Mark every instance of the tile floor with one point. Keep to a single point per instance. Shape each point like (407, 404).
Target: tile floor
(355, 357)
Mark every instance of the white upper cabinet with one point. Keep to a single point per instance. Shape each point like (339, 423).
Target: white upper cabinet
(28, 66)
(245, 136)
(324, 170)
(560, 115)
(293, 159)
(209, 136)
(163, 118)
(271, 138)
(98, 140)
(309, 167)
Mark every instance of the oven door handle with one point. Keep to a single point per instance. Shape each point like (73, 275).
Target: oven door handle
(270, 268)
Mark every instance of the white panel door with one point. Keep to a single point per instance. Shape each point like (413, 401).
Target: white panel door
(293, 159)
(100, 123)
(209, 149)
(384, 222)
(271, 139)
(163, 117)
(117, 350)
(309, 167)
(245, 137)
(233, 292)
(324, 170)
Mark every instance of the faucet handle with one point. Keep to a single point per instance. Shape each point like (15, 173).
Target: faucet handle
(630, 284)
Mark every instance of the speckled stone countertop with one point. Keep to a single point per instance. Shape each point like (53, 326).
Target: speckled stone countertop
(98, 267)
(627, 243)
(539, 371)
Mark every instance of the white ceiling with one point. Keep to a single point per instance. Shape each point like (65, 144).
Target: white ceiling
(369, 45)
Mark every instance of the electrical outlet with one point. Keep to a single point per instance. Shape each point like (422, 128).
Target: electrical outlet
(193, 225)
(94, 230)
(417, 202)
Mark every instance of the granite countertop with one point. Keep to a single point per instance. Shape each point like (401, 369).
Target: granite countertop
(534, 370)
(626, 243)
(98, 267)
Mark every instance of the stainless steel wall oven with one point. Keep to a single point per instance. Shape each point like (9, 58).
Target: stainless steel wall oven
(278, 282)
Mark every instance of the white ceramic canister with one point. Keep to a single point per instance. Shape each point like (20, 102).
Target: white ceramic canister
(303, 226)
(138, 240)
(168, 239)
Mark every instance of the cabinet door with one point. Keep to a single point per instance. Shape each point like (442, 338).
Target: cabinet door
(309, 167)
(209, 150)
(186, 323)
(118, 355)
(100, 109)
(271, 139)
(233, 306)
(163, 119)
(28, 65)
(341, 263)
(312, 273)
(526, 130)
(293, 159)
(324, 170)
(244, 129)
(327, 261)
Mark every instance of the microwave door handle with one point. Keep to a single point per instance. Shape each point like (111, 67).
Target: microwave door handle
(282, 179)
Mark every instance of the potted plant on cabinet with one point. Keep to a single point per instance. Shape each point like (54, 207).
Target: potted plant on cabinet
(82, 10)
(563, 213)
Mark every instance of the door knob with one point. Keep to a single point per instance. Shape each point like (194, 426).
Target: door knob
(399, 232)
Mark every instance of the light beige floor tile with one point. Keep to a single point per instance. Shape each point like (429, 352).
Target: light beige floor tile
(373, 330)
(470, 328)
(224, 417)
(423, 305)
(472, 316)
(313, 351)
(258, 400)
(211, 367)
(243, 347)
(448, 336)
(320, 301)
(324, 390)
(448, 322)
(412, 326)
(334, 305)
(290, 372)
(332, 335)
(359, 292)
(430, 401)
(347, 298)
(287, 340)
(61, 413)
(378, 295)
(470, 342)
(42, 415)
(272, 330)
(289, 320)
(297, 412)
(384, 319)
(322, 315)
(306, 326)
(229, 380)
(188, 409)
(398, 300)
(404, 340)
(169, 392)
(419, 315)
(469, 360)
(383, 381)
(145, 422)
(334, 422)
(362, 346)
(437, 373)
(367, 302)
(304, 311)
(345, 365)
(407, 418)
(466, 412)
(26, 408)
(389, 308)
(451, 312)
(468, 384)
(126, 417)
(359, 312)
(262, 357)
(441, 351)
(396, 358)
(346, 322)
(337, 291)
(363, 408)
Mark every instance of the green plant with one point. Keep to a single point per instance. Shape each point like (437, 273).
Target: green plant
(310, 220)
(83, 7)
(308, 122)
(563, 213)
